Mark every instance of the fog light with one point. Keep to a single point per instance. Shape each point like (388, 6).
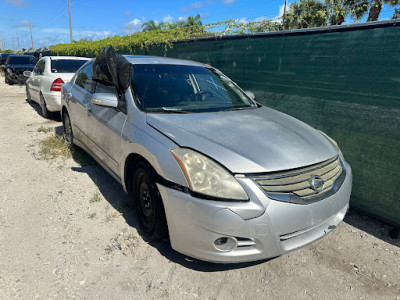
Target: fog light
(225, 243)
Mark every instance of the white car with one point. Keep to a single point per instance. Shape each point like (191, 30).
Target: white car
(44, 82)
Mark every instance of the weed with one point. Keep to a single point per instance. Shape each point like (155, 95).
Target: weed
(127, 241)
(96, 198)
(53, 147)
(112, 215)
(92, 216)
(45, 129)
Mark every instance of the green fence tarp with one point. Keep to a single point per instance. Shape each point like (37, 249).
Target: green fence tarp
(342, 80)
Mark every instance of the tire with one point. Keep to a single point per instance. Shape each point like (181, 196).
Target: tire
(28, 95)
(45, 112)
(149, 207)
(8, 81)
(68, 135)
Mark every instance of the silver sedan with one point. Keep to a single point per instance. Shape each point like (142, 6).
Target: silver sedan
(225, 178)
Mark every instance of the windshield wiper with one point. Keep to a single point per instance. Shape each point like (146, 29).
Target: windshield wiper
(239, 108)
(167, 110)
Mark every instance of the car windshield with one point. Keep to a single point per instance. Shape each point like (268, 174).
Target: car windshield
(66, 65)
(179, 88)
(21, 60)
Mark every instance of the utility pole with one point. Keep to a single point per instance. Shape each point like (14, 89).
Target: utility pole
(30, 29)
(70, 26)
(13, 45)
(18, 41)
(129, 28)
(284, 14)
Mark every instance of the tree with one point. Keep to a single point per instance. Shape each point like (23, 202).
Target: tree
(336, 11)
(396, 14)
(359, 8)
(305, 14)
(151, 25)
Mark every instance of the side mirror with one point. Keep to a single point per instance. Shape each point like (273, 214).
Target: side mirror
(105, 99)
(27, 73)
(250, 94)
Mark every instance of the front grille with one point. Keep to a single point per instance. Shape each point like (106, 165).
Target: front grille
(295, 185)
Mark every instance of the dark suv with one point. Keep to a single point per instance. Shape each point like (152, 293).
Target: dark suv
(3, 57)
(15, 67)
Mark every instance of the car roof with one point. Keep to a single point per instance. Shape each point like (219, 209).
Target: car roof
(144, 60)
(67, 57)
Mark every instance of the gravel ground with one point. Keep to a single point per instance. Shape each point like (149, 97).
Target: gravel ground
(67, 231)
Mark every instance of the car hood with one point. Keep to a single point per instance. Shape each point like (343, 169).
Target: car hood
(247, 141)
(21, 67)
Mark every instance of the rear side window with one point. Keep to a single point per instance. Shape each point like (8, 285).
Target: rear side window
(39, 68)
(66, 65)
(84, 78)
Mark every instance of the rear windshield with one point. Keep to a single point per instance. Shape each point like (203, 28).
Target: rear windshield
(21, 60)
(66, 65)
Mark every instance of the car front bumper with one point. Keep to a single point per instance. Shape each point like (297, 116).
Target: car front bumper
(53, 101)
(258, 229)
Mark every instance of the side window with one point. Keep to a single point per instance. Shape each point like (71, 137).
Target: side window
(101, 88)
(39, 68)
(84, 78)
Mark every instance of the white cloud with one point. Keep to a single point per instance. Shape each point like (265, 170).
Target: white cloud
(19, 3)
(242, 20)
(168, 19)
(228, 2)
(136, 22)
(78, 34)
(22, 24)
(198, 5)
(281, 8)
(136, 25)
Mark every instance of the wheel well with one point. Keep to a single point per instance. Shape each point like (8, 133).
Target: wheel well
(132, 160)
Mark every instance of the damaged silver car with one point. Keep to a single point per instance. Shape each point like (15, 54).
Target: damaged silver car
(225, 178)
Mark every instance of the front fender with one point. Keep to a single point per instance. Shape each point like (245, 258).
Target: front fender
(153, 147)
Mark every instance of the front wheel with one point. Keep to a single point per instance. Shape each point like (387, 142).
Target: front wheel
(149, 207)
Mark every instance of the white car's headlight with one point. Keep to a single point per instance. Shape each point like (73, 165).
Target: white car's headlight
(206, 177)
(334, 142)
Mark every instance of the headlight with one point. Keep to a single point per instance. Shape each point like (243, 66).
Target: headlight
(207, 177)
(334, 142)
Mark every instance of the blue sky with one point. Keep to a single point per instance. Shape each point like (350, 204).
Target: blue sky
(96, 19)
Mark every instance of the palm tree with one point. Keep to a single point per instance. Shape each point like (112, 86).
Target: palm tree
(359, 8)
(150, 25)
(336, 11)
(305, 14)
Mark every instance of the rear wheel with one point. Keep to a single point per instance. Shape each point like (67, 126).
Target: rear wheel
(28, 95)
(149, 207)
(45, 112)
(68, 136)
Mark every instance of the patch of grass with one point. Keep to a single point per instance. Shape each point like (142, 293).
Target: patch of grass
(112, 215)
(127, 241)
(45, 129)
(96, 198)
(53, 147)
(92, 216)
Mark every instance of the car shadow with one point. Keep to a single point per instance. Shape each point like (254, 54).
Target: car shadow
(377, 228)
(53, 117)
(114, 194)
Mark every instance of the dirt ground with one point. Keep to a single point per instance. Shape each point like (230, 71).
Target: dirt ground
(67, 232)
